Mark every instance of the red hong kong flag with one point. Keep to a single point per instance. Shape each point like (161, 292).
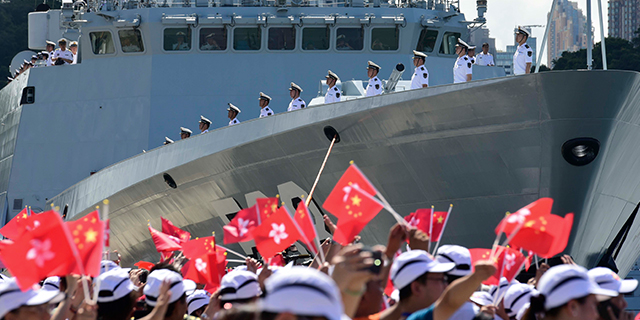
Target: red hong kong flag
(352, 178)
(239, 229)
(277, 261)
(303, 219)
(14, 228)
(203, 270)
(170, 229)
(538, 208)
(545, 236)
(359, 208)
(266, 207)
(43, 251)
(144, 265)
(164, 242)
(420, 219)
(508, 263)
(276, 233)
(88, 237)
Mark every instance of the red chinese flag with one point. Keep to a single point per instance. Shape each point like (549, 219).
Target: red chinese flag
(15, 227)
(164, 242)
(352, 178)
(266, 207)
(439, 218)
(303, 219)
(420, 219)
(199, 247)
(277, 261)
(41, 252)
(88, 237)
(170, 229)
(507, 263)
(144, 265)
(239, 229)
(107, 233)
(545, 236)
(538, 208)
(276, 233)
(359, 209)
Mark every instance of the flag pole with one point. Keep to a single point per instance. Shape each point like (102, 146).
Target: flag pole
(506, 242)
(324, 162)
(229, 250)
(316, 240)
(443, 226)
(431, 226)
(501, 296)
(304, 236)
(105, 248)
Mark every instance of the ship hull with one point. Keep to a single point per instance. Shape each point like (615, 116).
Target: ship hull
(487, 147)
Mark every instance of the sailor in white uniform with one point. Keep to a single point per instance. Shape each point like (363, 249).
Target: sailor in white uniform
(73, 47)
(233, 114)
(485, 58)
(167, 141)
(264, 100)
(333, 93)
(462, 71)
(420, 77)
(185, 133)
(204, 125)
(296, 103)
(523, 57)
(471, 53)
(374, 87)
(50, 47)
(210, 43)
(181, 45)
(62, 56)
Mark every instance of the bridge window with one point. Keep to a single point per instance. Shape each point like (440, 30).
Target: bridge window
(315, 38)
(282, 38)
(350, 39)
(131, 40)
(384, 39)
(177, 39)
(102, 42)
(449, 41)
(427, 40)
(213, 39)
(247, 38)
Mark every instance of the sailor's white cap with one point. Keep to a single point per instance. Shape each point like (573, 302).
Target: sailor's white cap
(605, 278)
(331, 74)
(523, 31)
(472, 47)
(51, 283)
(44, 52)
(49, 42)
(167, 140)
(62, 40)
(303, 291)
(232, 107)
(210, 35)
(372, 65)
(34, 57)
(418, 54)
(238, 285)
(178, 286)
(185, 130)
(482, 298)
(73, 44)
(180, 33)
(197, 300)
(412, 264)
(13, 298)
(264, 97)
(204, 120)
(458, 255)
(563, 283)
(461, 43)
(296, 87)
(114, 284)
(517, 296)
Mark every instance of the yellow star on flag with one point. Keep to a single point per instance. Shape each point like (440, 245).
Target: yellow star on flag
(91, 236)
(440, 219)
(355, 200)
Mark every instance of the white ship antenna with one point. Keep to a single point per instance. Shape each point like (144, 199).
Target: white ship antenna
(546, 33)
(589, 37)
(602, 44)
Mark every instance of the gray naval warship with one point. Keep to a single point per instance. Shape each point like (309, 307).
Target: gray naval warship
(74, 135)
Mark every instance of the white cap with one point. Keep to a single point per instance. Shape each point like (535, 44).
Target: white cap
(204, 120)
(412, 264)
(238, 285)
(114, 284)
(233, 107)
(482, 298)
(564, 283)
(458, 255)
(51, 283)
(522, 311)
(303, 291)
(106, 265)
(13, 298)
(496, 291)
(607, 279)
(517, 296)
(197, 300)
(154, 282)
(185, 130)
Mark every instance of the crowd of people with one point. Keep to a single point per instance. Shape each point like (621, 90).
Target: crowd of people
(63, 55)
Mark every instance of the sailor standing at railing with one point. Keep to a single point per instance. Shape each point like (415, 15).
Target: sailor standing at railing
(471, 53)
(264, 100)
(185, 133)
(296, 102)
(374, 87)
(420, 77)
(50, 47)
(233, 114)
(523, 57)
(485, 58)
(333, 93)
(62, 56)
(462, 71)
(204, 124)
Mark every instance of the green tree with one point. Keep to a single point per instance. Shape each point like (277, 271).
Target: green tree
(621, 55)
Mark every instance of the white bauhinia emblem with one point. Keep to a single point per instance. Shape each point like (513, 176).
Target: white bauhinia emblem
(200, 265)
(510, 260)
(278, 232)
(414, 221)
(519, 217)
(242, 225)
(40, 252)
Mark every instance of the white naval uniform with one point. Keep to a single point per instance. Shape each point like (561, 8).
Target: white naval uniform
(485, 59)
(75, 59)
(66, 54)
(420, 77)
(208, 130)
(49, 61)
(473, 59)
(183, 46)
(333, 95)
(296, 104)
(234, 121)
(207, 46)
(374, 87)
(265, 112)
(461, 68)
(522, 56)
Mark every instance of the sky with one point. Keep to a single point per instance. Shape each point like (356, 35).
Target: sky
(504, 15)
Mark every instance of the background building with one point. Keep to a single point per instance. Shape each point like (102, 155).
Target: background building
(567, 30)
(623, 18)
(480, 36)
(505, 58)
